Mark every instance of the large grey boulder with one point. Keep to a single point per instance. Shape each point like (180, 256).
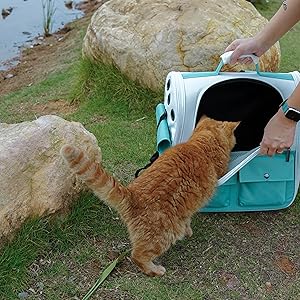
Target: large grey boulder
(34, 180)
(146, 39)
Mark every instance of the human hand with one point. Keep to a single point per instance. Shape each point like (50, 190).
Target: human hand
(246, 46)
(278, 134)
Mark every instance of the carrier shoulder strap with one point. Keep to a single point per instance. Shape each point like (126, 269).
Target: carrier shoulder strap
(155, 156)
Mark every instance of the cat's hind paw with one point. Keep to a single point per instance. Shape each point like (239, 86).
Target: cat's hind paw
(157, 271)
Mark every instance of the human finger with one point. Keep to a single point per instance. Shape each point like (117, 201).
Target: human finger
(263, 149)
(237, 53)
(272, 148)
(267, 149)
(232, 46)
(281, 148)
(248, 61)
(271, 151)
(245, 60)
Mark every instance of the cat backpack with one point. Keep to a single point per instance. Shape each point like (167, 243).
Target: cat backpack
(253, 182)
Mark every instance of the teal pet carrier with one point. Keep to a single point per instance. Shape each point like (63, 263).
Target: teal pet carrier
(253, 182)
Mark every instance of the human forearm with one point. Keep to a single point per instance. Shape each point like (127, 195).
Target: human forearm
(285, 18)
(294, 99)
(280, 130)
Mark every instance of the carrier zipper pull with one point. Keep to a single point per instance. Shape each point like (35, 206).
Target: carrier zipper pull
(287, 155)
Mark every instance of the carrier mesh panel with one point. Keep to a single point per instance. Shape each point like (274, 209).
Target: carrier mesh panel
(237, 157)
(250, 101)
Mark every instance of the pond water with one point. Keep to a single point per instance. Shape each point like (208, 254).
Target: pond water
(25, 23)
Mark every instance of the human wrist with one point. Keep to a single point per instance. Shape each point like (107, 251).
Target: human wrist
(284, 115)
(263, 42)
(294, 103)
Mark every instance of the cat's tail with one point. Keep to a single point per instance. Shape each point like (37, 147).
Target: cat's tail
(105, 186)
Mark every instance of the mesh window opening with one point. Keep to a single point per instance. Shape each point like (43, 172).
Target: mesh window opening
(250, 101)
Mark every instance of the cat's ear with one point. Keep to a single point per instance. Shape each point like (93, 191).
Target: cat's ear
(203, 117)
(231, 126)
(235, 124)
(201, 121)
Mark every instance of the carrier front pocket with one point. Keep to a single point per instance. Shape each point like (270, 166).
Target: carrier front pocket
(267, 181)
(224, 194)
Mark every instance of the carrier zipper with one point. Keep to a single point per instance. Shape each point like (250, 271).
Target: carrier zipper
(252, 154)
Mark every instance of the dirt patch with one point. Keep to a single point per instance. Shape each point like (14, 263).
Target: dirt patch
(48, 54)
(99, 119)
(285, 265)
(252, 228)
(55, 107)
(230, 280)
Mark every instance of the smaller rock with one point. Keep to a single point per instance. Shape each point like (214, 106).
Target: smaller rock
(42, 182)
(26, 32)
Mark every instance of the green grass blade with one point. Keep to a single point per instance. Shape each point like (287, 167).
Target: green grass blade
(104, 275)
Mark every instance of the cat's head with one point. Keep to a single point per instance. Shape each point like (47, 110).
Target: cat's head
(221, 128)
(228, 128)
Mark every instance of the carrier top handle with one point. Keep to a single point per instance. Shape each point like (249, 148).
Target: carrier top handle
(225, 59)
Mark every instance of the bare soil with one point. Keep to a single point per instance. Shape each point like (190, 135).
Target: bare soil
(55, 107)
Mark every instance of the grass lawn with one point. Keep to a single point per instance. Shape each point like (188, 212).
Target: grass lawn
(230, 256)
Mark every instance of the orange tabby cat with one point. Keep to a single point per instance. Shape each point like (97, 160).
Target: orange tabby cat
(157, 206)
